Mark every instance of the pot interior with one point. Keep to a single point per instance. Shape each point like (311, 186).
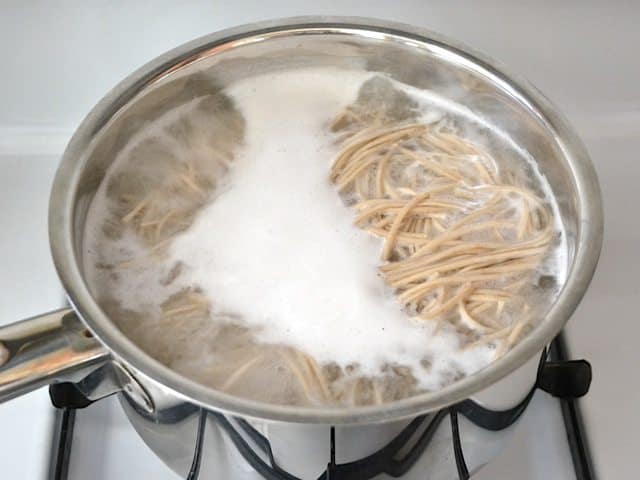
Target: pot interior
(413, 58)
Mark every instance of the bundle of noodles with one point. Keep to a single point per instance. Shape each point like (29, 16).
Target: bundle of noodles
(460, 241)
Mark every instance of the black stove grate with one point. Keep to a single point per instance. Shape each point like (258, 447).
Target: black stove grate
(557, 375)
(572, 416)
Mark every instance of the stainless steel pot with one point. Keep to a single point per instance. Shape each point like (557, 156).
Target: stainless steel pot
(82, 344)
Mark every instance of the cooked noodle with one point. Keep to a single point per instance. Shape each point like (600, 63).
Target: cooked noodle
(458, 246)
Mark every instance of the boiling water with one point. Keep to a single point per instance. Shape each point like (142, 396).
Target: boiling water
(267, 246)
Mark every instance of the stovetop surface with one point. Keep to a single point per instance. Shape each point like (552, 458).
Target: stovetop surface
(59, 59)
(103, 441)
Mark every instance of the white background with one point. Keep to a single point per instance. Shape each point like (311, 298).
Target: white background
(58, 58)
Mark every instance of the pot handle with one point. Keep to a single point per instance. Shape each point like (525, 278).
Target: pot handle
(40, 350)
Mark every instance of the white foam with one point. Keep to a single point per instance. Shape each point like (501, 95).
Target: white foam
(279, 250)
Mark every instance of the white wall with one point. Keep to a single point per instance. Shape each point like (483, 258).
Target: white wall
(58, 58)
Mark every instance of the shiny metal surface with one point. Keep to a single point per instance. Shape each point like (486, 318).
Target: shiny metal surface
(51, 347)
(410, 55)
(112, 377)
(303, 450)
(57, 347)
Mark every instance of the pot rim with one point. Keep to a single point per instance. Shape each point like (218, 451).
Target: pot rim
(64, 195)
